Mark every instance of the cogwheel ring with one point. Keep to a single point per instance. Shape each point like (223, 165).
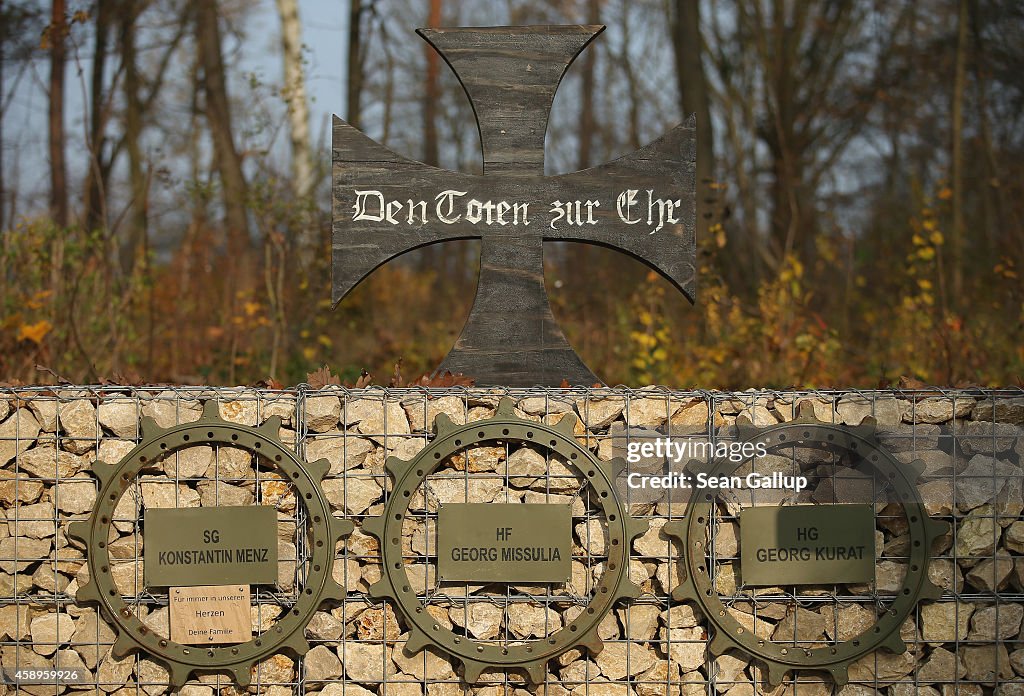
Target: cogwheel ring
(697, 585)
(476, 656)
(237, 661)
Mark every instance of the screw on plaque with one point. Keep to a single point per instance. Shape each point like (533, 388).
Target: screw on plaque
(132, 635)
(697, 583)
(475, 656)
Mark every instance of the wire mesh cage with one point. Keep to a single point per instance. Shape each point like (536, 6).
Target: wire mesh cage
(968, 445)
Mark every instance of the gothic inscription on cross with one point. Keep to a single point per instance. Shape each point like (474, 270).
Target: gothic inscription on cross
(642, 204)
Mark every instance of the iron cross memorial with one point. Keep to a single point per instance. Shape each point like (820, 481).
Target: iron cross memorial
(642, 204)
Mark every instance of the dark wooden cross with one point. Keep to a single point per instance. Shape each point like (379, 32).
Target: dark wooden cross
(642, 204)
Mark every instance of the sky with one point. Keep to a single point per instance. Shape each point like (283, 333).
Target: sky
(25, 160)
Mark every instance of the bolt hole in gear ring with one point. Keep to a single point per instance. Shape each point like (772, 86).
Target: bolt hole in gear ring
(325, 531)
(698, 586)
(476, 656)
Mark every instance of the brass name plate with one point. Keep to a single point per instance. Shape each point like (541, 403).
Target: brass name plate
(210, 615)
(807, 545)
(515, 542)
(210, 546)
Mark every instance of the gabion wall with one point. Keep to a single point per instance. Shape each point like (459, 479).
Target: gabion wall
(968, 642)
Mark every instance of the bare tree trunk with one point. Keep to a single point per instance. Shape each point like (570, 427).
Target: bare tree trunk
(588, 125)
(295, 96)
(693, 99)
(58, 173)
(432, 92)
(96, 180)
(139, 216)
(218, 117)
(959, 82)
(355, 62)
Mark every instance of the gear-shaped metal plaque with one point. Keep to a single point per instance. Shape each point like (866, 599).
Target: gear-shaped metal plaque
(476, 656)
(325, 531)
(780, 657)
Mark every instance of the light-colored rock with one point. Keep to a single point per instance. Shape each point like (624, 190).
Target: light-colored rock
(231, 464)
(49, 631)
(344, 451)
(112, 674)
(119, 416)
(977, 534)
(422, 411)
(758, 415)
(911, 689)
(1000, 410)
(592, 536)
(996, 622)
(938, 409)
(375, 417)
(218, 493)
(686, 646)
(353, 494)
(276, 669)
(167, 409)
(882, 666)
(600, 687)
(14, 622)
(992, 574)
(456, 489)
(90, 636)
(654, 543)
(986, 663)
(986, 437)
(526, 620)
(15, 487)
(347, 689)
(802, 625)
(321, 664)
(853, 409)
(681, 616)
(191, 462)
(482, 620)
(33, 521)
(1013, 537)
(75, 497)
(378, 623)
(941, 666)
(619, 660)
(366, 662)
(943, 622)
(152, 676)
(980, 480)
(167, 494)
(850, 621)
(649, 411)
(321, 413)
(45, 411)
(78, 421)
(25, 549)
(599, 413)
(480, 459)
(48, 462)
(1017, 661)
(426, 664)
(243, 410)
(639, 621)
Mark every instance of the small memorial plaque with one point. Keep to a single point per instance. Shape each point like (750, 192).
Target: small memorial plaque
(210, 546)
(807, 545)
(516, 542)
(208, 615)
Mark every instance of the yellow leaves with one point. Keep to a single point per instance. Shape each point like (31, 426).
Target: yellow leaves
(251, 308)
(945, 193)
(936, 238)
(924, 284)
(39, 299)
(926, 253)
(34, 332)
